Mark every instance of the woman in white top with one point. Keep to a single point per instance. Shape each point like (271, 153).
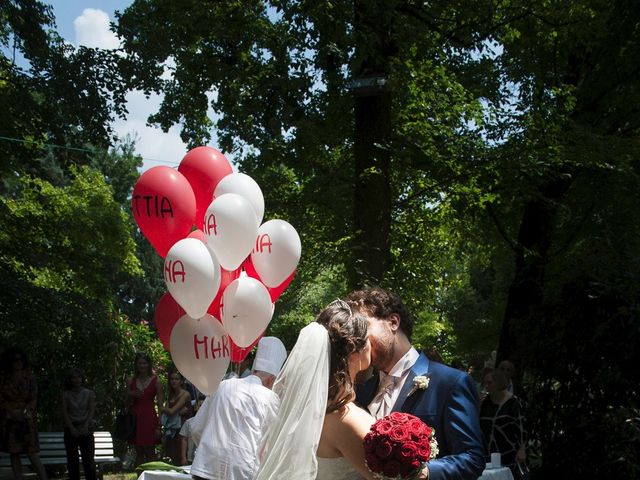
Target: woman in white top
(78, 408)
(319, 430)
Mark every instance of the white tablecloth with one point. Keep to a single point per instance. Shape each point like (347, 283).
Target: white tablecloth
(496, 474)
(161, 475)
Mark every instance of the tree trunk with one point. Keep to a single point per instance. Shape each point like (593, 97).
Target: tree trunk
(526, 293)
(372, 110)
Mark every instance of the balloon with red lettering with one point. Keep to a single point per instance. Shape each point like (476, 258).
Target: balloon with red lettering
(276, 253)
(192, 276)
(239, 354)
(274, 292)
(199, 234)
(226, 277)
(244, 185)
(246, 310)
(167, 313)
(200, 349)
(164, 207)
(204, 167)
(230, 228)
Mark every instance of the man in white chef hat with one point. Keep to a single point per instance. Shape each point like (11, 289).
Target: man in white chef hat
(235, 417)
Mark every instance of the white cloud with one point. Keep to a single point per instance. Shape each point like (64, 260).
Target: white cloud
(155, 146)
(92, 30)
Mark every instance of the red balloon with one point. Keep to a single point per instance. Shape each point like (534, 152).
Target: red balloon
(226, 277)
(239, 354)
(167, 313)
(164, 207)
(274, 292)
(204, 167)
(199, 234)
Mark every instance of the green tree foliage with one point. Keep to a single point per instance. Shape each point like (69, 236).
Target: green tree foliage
(63, 249)
(51, 92)
(567, 133)
(69, 266)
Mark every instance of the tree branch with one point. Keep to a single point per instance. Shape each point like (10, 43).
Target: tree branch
(503, 233)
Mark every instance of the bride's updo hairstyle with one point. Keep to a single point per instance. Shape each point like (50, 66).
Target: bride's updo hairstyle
(347, 334)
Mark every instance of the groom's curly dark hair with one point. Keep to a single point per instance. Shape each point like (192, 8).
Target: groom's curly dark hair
(347, 334)
(381, 303)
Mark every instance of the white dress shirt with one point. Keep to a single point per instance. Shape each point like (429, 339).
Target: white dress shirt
(237, 415)
(383, 402)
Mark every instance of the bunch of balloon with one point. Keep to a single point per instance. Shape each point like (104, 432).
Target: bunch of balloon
(223, 267)
(167, 205)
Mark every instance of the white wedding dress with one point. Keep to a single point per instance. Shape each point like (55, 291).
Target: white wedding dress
(291, 442)
(336, 469)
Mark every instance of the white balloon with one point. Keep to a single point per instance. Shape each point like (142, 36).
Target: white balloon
(230, 229)
(246, 310)
(192, 276)
(201, 351)
(276, 253)
(244, 185)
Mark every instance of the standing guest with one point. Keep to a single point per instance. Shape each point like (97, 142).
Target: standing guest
(445, 398)
(187, 445)
(237, 415)
(78, 408)
(245, 367)
(482, 390)
(143, 395)
(174, 413)
(502, 421)
(508, 369)
(18, 395)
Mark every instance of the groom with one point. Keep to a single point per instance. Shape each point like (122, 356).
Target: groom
(448, 403)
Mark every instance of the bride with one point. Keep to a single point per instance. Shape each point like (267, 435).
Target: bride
(319, 430)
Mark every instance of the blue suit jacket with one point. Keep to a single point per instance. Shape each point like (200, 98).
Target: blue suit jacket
(450, 406)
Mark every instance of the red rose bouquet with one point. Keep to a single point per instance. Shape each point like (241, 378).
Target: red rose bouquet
(398, 446)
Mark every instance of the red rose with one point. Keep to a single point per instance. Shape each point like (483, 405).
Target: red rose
(415, 425)
(398, 417)
(407, 452)
(399, 433)
(374, 464)
(384, 449)
(382, 427)
(370, 457)
(426, 430)
(369, 441)
(424, 451)
(410, 469)
(392, 468)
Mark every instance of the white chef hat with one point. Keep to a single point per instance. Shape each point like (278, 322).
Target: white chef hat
(270, 356)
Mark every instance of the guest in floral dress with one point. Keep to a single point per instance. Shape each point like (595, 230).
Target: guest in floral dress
(174, 413)
(18, 394)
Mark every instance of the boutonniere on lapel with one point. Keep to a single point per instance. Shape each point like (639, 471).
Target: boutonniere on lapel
(420, 382)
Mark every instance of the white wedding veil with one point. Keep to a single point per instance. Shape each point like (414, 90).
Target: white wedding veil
(290, 443)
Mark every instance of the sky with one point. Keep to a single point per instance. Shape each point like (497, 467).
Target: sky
(86, 23)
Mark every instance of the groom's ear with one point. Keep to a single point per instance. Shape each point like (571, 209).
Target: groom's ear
(394, 321)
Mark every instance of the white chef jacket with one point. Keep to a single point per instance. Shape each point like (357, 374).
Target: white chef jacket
(238, 414)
